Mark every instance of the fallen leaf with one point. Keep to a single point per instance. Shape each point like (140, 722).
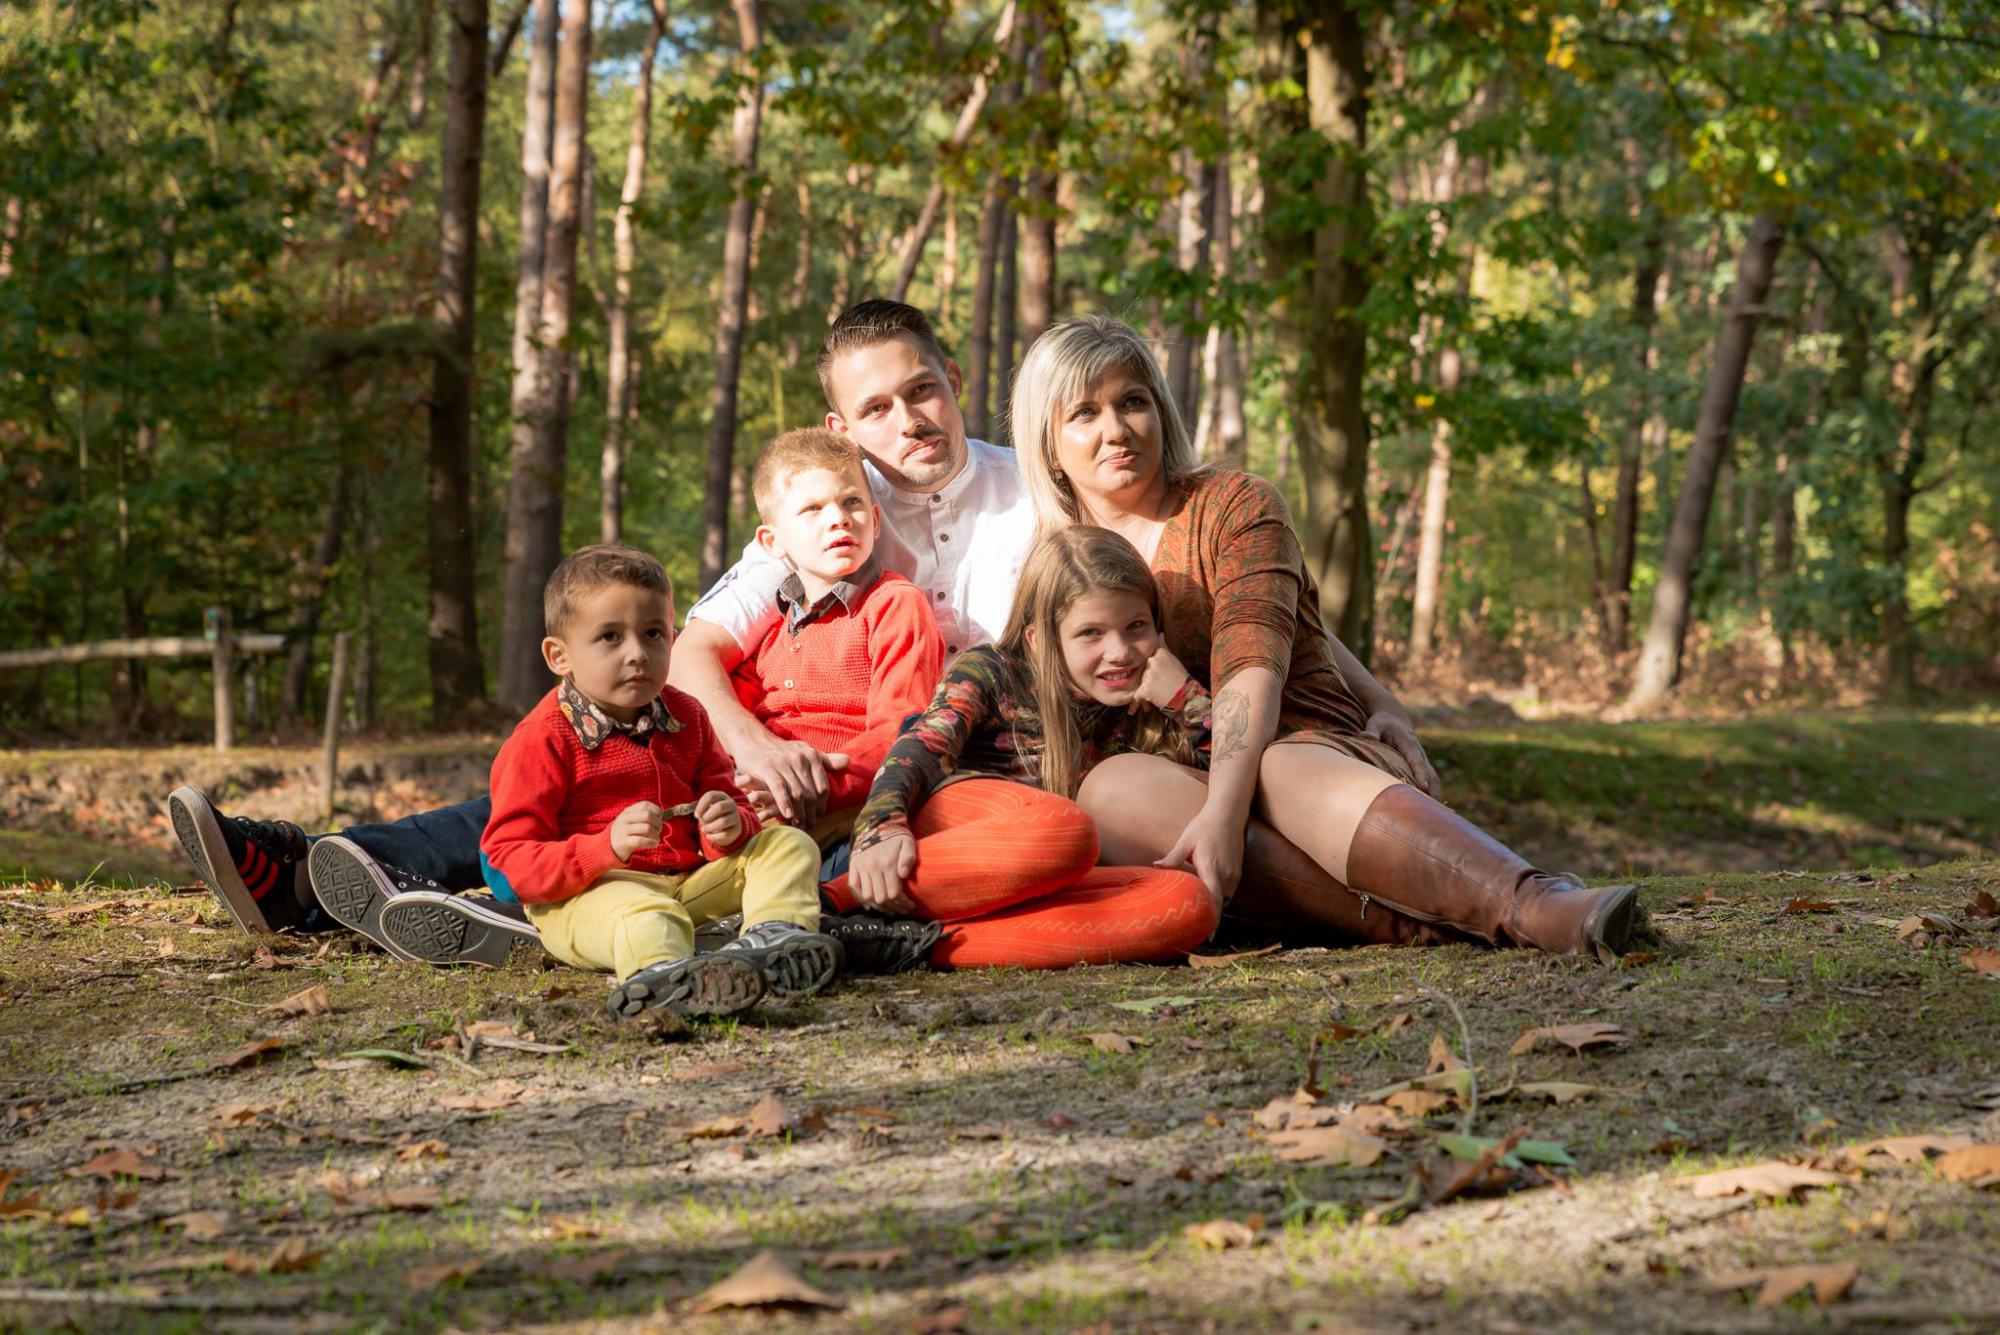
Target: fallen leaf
(200, 1225)
(1376, 1119)
(1561, 1091)
(79, 1216)
(1805, 904)
(123, 1162)
(1829, 1283)
(1152, 1005)
(499, 1094)
(1224, 961)
(945, 1321)
(1419, 1102)
(430, 1276)
(1983, 905)
(769, 1118)
(1220, 1234)
(290, 1255)
(242, 1114)
(764, 1281)
(715, 1128)
(1983, 960)
(249, 1053)
(1637, 959)
(1327, 1145)
(484, 1029)
(1400, 1020)
(1297, 1109)
(1491, 1153)
(312, 1001)
(879, 1258)
(416, 1150)
(1908, 1149)
(1975, 1165)
(1442, 1058)
(1581, 1037)
(586, 1269)
(1775, 1178)
(1117, 1044)
(1928, 925)
(568, 1228)
(28, 1203)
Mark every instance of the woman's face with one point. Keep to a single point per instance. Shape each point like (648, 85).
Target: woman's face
(1108, 442)
(1107, 638)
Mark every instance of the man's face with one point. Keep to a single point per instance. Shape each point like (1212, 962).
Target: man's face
(902, 411)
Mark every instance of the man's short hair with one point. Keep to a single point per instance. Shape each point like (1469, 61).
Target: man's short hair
(588, 569)
(797, 452)
(871, 322)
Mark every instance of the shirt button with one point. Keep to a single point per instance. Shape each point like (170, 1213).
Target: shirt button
(940, 595)
(944, 537)
(951, 648)
(788, 683)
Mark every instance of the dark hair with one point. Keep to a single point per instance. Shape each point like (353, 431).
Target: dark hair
(801, 451)
(867, 323)
(588, 569)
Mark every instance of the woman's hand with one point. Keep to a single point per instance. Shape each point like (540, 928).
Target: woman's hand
(1394, 728)
(877, 874)
(1212, 848)
(1160, 683)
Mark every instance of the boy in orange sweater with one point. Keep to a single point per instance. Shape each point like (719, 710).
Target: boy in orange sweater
(618, 824)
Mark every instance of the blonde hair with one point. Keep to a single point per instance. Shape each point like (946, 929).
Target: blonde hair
(1066, 565)
(801, 451)
(1069, 357)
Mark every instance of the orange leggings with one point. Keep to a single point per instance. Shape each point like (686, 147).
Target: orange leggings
(1011, 872)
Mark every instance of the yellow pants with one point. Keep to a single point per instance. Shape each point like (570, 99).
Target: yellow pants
(629, 919)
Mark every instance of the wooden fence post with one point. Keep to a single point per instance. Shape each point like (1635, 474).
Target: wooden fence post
(329, 761)
(215, 626)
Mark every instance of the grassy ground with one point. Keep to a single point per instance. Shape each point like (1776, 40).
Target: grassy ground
(987, 1147)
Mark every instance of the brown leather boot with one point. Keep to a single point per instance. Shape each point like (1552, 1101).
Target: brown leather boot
(1433, 864)
(1285, 892)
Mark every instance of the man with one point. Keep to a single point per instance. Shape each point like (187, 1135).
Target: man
(957, 523)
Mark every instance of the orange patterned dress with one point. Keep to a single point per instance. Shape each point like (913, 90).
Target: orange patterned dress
(1236, 593)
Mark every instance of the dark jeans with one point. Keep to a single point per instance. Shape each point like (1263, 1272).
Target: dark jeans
(441, 844)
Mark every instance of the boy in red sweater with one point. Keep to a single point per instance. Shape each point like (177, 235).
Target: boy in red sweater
(618, 824)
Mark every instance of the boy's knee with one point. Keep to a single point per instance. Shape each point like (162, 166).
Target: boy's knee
(784, 839)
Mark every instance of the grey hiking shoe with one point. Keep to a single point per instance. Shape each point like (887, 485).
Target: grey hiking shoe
(453, 929)
(795, 962)
(716, 984)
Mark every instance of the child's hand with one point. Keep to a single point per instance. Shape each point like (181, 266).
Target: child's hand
(878, 872)
(1162, 680)
(634, 828)
(720, 822)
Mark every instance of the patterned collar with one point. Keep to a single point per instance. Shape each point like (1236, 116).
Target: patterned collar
(792, 594)
(593, 725)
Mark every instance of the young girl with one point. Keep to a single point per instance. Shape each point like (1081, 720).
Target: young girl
(970, 820)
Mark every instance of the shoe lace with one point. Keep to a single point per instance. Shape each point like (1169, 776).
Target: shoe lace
(275, 837)
(409, 880)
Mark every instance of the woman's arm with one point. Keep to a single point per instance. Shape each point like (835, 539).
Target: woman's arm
(1387, 719)
(1245, 719)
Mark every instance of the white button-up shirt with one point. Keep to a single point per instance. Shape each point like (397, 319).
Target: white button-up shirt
(962, 545)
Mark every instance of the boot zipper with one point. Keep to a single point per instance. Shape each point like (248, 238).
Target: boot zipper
(1366, 900)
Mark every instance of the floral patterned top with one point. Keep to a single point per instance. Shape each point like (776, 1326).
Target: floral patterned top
(984, 723)
(1235, 593)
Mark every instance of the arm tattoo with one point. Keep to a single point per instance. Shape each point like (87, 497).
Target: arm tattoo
(1231, 714)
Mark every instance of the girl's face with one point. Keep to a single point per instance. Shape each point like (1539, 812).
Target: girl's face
(1107, 637)
(1108, 441)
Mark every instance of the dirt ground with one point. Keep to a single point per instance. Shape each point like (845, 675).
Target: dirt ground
(1006, 1150)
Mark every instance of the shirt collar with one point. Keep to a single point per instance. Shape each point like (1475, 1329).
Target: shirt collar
(593, 725)
(792, 594)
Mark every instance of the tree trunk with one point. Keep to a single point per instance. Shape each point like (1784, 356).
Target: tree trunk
(735, 294)
(457, 676)
(1047, 40)
(1006, 320)
(311, 603)
(979, 377)
(1646, 281)
(1322, 321)
(1666, 631)
(539, 106)
(802, 268)
(618, 407)
(541, 433)
(954, 144)
(419, 105)
(1430, 533)
(1192, 242)
(1897, 469)
(496, 64)
(947, 279)
(1231, 433)
(10, 232)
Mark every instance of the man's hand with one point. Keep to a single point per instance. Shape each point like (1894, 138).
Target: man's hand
(634, 828)
(1161, 682)
(1395, 728)
(794, 774)
(877, 874)
(721, 823)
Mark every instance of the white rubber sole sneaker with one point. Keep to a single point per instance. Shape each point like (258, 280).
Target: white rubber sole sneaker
(452, 929)
(200, 832)
(352, 888)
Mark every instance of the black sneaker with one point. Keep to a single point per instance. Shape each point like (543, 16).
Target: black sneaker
(715, 984)
(875, 943)
(719, 933)
(453, 929)
(251, 865)
(354, 888)
(796, 962)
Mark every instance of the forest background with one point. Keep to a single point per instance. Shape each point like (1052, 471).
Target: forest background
(1599, 347)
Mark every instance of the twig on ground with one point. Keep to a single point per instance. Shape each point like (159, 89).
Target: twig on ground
(1471, 1067)
(200, 1302)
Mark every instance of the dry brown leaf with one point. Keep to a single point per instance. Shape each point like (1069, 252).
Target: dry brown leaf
(586, 1269)
(430, 1276)
(495, 1029)
(1224, 961)
(1294, 1110)
(27, 1203)
(1775, 1178)
(715, 1128)
(368, 1200)
(250, 1052)
(1327, 1145)
(1975, 1165)
(1983, 905)
(416, 1150)
(1983, 960)
(1221, 1234)
(1561, 1091)
(242, 1114)
(1120, 1045)
(1376, 1119)
(499, 1094)
(1829, 1283)
(1459, 1177)
(1806, 904)
(1400, 1020)
(290, 1255)
(879, 1258)
(122, 1162)
(769, 1118)
(1419, 1102)
(764, 1281)
(312, 1001)
(1908, 1149)
(1442, 1058)
(200, 1225)
(945, 1321)
(1581, 1037)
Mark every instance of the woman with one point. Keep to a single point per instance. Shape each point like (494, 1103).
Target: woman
(1314, 767)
